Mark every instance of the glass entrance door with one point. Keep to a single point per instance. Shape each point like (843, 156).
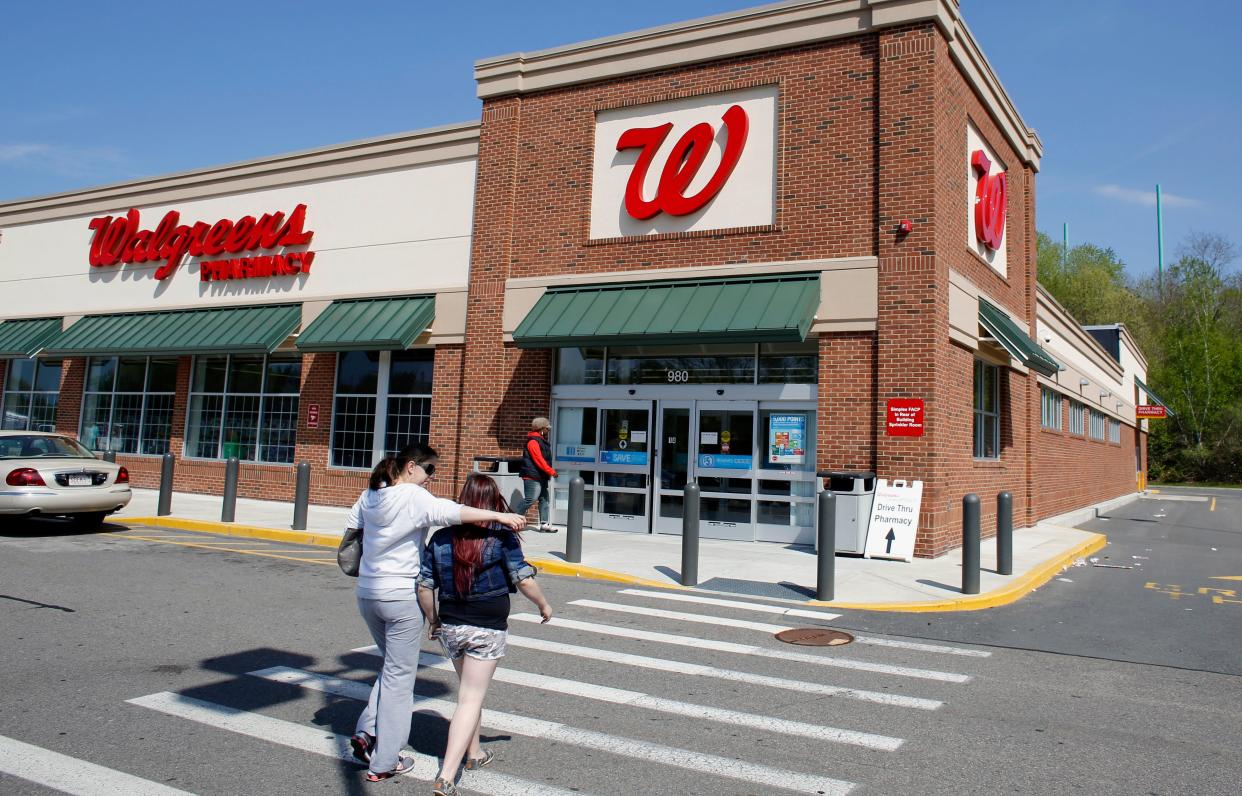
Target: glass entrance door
(621, 486)
(724, 466)
(673, 463)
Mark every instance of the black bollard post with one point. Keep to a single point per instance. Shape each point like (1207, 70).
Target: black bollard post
(826, 576)
(1004, 533)
(301, 497)
(228, 511)
(109, 456)
(970, 544)
(164, 508)
(690, 535)
(573, 525)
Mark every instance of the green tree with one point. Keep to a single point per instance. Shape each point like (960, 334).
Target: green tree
(1091, 283)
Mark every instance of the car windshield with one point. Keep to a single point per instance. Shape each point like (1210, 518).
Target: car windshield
(38, 446)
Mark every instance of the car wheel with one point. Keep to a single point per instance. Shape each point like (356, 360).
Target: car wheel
(91, 520)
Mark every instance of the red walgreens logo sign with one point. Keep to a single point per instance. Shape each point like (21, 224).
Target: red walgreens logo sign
(682, 165)
(122, 240)
(991, 202)
(1149, 411)
(905, 417)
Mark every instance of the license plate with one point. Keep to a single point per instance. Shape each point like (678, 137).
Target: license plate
(80, 480)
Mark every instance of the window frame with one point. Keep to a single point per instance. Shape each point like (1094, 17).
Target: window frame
(382, 396)
(757, 356)
(1077, 418)
(146, 393)
(1050, 409)
(983, 415)
(32, 392)
(263, 395)
(1097, 420)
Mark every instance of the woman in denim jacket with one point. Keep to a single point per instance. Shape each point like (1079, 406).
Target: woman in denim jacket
(475, 569)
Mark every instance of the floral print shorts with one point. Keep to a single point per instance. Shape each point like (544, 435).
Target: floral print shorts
(482, 643)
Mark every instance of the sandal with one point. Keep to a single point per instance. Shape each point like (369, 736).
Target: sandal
(362, 744)
(444, 787)
(473, 763)
(404, 764)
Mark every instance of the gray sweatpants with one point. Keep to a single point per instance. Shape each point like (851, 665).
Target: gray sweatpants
(396, 626)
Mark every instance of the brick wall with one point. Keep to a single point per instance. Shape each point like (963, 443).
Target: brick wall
(1074, 470)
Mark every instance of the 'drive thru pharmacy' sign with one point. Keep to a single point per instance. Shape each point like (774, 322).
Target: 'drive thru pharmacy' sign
(894, 519)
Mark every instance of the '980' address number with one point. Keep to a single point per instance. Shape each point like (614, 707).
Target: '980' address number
(678, 376)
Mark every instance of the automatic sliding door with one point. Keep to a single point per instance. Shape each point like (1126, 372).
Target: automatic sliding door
(621, 491)
(674, 465)
(725, 468)
(575, 450)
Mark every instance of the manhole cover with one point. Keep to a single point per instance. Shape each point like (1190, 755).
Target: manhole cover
(814, 637)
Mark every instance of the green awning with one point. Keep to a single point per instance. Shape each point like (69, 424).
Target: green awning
(760, 309)
(228, 330)
(1151, 396)
(1017, 342)
(369, 324)
(23, 338)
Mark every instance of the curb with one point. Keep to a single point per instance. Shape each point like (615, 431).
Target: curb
(1005, 595)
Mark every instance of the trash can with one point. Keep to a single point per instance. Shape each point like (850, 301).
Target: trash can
(504, 472)
(854, 492)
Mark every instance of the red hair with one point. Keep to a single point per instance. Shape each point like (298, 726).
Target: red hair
(480, 492)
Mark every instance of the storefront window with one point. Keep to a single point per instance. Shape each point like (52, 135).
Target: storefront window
(987, 411)
(31, 390)
(789, 363)
(382, 403)
(127, 404)
(1077, 415)
(681, 365)
(1049, 409)
(580, 366)
(244, 407)
(766, 363)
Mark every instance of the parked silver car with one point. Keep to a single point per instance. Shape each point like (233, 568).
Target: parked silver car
(53, 475)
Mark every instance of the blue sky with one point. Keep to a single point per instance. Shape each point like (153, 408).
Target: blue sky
(1124, 93)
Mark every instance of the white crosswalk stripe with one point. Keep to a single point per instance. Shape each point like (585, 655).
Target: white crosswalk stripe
(317, 741)
(702, 670)
(748, 649)
(776, 609)
(622, 696)
(69, 774)
(715, 765)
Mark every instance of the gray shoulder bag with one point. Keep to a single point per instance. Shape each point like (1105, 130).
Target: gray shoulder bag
(349, 553)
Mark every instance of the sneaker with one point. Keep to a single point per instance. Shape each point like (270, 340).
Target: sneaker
(546, 528)
(443, 787)
(474, 763)
(362, 744)
(404, 764)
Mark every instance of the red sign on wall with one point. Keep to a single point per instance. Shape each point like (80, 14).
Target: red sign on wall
(1149, 411)
(122, 240)
(905, 417)
(682, 164)
(991, 198)
(312, 416)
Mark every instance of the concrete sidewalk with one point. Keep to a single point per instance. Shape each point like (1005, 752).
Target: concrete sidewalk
(757, 569)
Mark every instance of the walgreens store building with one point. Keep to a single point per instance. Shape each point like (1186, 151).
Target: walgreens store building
(736, 250)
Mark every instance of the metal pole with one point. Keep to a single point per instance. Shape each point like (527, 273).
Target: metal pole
(109, 456)
(970, 544)
(228, 511)
(1159, 242)
(1064, 245)
(826, 576)
(1004, 533)
(301, 497)
(690, 535)
(164, 507)
(573, 526)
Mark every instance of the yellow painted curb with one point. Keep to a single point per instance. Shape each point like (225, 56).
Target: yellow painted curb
(554, 566)
(1003, 596)
(232, 529)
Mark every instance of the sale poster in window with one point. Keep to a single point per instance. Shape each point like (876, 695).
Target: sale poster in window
(787, 439)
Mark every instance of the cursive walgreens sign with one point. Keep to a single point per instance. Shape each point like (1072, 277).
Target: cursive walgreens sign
(122, 239)
(987, 201)
(698, 163)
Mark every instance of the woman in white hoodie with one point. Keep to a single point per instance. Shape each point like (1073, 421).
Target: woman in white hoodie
(395, 514)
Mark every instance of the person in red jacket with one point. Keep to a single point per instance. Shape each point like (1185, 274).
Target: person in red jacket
(536, 472)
